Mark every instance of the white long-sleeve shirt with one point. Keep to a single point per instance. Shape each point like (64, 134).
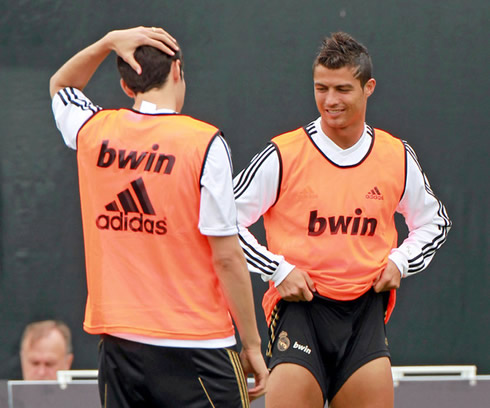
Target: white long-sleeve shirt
(256, 189)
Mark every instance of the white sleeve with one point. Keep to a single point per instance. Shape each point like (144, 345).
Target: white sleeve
(426, 218)
(71, 109)
(255, 192)
(217, 213)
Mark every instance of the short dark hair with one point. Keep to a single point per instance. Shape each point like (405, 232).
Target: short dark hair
(340, 50)
(155, 67)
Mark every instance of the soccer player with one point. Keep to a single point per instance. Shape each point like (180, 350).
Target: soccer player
(328, 193)
(164, 266)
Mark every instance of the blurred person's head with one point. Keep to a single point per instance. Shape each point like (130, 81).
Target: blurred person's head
(45, 348)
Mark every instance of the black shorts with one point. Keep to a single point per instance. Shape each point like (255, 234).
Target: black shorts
(330, 338)
(133, 375)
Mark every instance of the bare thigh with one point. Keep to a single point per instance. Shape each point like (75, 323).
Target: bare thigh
(371, 386)
(292, 386)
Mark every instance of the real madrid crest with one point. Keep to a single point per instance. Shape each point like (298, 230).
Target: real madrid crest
(283, 341)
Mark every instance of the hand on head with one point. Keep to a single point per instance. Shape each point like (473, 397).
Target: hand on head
(125, 42)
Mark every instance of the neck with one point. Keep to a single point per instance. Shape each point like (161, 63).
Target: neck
(344, 137)
(159, 97)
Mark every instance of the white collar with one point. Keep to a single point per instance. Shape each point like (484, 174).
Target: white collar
(342, 157)
(148, 107)
(363, 143)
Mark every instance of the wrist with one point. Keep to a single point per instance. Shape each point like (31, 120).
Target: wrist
(107, 42)
(251, 343)
(400, 262)
(282, 272)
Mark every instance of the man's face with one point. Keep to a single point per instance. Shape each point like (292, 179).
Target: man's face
(42, 358)
(341, 100)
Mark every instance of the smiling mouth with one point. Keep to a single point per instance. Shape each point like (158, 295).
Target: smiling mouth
(334, 111)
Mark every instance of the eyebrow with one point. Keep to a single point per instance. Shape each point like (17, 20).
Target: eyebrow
(346, 85)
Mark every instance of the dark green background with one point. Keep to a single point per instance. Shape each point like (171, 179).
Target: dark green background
(248, 70)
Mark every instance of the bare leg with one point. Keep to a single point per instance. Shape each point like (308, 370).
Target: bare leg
(292, 386)
(371, 386)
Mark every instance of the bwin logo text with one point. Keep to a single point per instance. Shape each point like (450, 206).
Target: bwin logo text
(317, 225)
(134, 159)
(302, 348)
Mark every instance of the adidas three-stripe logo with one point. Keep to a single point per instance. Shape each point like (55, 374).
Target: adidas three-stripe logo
(128, 203)
(374, 194)
(132, 200)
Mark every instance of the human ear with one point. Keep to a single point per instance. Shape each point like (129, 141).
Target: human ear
(176, 70)
(369, 87)
(126, 89)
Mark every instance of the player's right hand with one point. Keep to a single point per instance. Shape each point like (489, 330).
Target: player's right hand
(297, 286)
(125, 42)
(253, 363)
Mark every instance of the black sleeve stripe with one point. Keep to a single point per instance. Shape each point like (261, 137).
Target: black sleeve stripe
(63, 99)
(415, 159)
(370, 131)
(412, 153)
(429, 248)
(279, 183)
(257, 264)
(71, 97)
(311, 128)
(247, 246)
(443, 214)
(417, 263)
(413, 270)
(254, 160)
(247, 175)
(442, 211)
(405, 157)
(252, 256)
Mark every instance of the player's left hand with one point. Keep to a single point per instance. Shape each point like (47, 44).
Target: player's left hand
(388, 279)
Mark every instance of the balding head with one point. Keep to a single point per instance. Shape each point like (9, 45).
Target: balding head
(45, 348)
